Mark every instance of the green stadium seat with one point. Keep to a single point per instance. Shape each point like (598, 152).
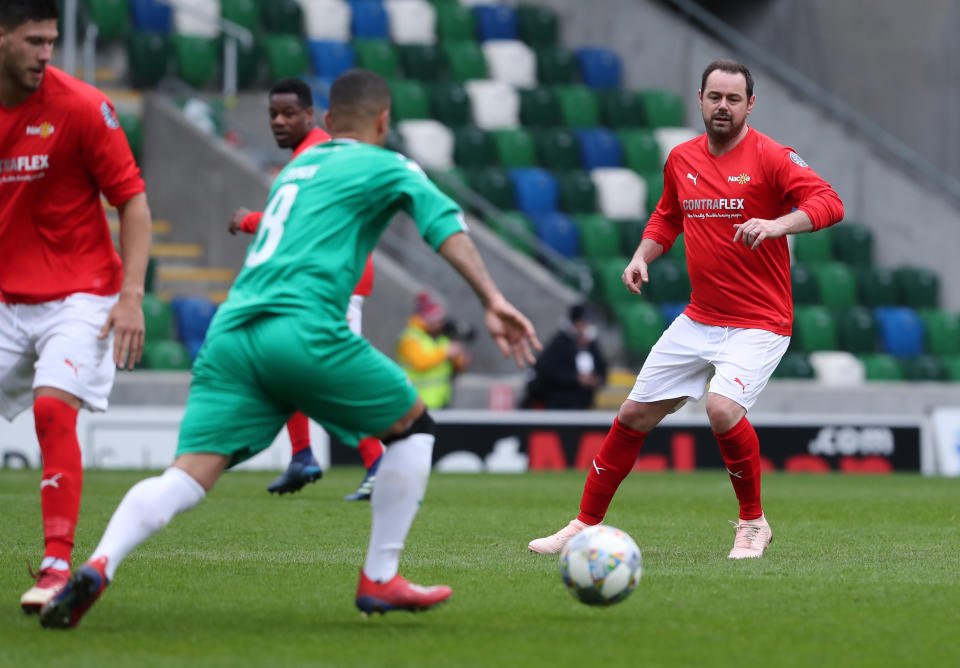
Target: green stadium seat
(925, 368)
(578, 106)
(537, 25)
(952, 365)
(558, 148)
(376, 55)
(423, 62)
(631, 233)
(555, 65)
(455, 23)
(450, 103)
(149, 279)
(678, 251)
(158, 318)
(813, 248)
(794, 365)
(515, 148)
(853, 244)
(668, 281)
(248, 64)
(941, 331)
(286, 56)
(539, 108)
(147, 55)
(599, 237)
(578, 194)
(918, 287)
(662, 108)
(877, 287)
(622, 109)
(245, 13)
(473, 147)
(516, 229)
(837, 284)
(196, 59)
(282, 16)
(804, 284)
(132, 127)
(641, 152)
(166, 355)
(814, 328)
(447, 179)
(465, 60)
(410, 100)
(642, 325)
(112, 17)
(608, 284)
(881, 366)
(857, 330)
(494, 185)
(654, 190)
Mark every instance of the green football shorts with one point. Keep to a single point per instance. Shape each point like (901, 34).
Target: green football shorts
(248, 381)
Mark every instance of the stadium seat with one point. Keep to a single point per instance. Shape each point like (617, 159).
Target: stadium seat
(450, 181)
(917, 287)
(794, 365)
(877, 287)
(412, 21)
(428, 142)
(494, 104)
(494, 185)
(536, 190)
(951, 364)
(112, 17)
(599, 237)
(641, 152)
(151, 16)
(642, 325)
(132, 128)
(377, 56)
(495, 22)
(537, 25)
(248, 64)
(837, 284)
(510, 61)
(556, 65)
(558, 148)
(192, 316)
(837, 368)
(668, 281)
(455, 23)
(423, 62)
(196, 59)
(147, 55)
(671, 310)
(369, 20)
(282, 17)
(600, 68)
(466, 61)
(286, 56)
(662, 108)
(320, 87)
(410, 100)
(158, 319)
(813, 248)
(678, 251)
(813, 329)
(942, 331)
(330, 59)
(166, 355)
(804, 285)
(515, 148)
(149, 280)
(631, 233)
(245, 13)
(901, 330)
(670, 138)
(924, 368)
(474, 147)
(881, 367)
(198, 19)
(578, 106)
(608, 284)
(599, 147)
(557, 232)
(654, 189)
(853, 244)
(621, 193)
(621, 109)
(539, 108)
(516, 229)
(578, 194)
(450, 103)
(326, 19)
(857, 330)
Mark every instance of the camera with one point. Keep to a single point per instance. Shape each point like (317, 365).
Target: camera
(459, 330)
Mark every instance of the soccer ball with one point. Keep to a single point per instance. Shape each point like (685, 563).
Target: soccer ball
(601, 565)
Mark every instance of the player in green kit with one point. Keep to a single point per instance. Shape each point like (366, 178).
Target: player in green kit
(281, 343)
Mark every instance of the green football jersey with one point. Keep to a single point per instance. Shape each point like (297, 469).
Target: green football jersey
(325, 213)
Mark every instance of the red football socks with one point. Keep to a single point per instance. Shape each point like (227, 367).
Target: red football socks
(62, 482)
(299, 428)
(614, 461)
(370, 449)
(740, 449)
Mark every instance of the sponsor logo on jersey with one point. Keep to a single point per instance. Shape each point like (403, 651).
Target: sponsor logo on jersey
(797, 160)
(740, 178)
(300, 173)
(43, 130)
(25, 163)
(693, 178)
(725, 203)
(109, 117)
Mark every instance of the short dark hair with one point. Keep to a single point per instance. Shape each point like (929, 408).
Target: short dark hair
(730, 67)
(14, 13)
(359, 94)
(292, 85)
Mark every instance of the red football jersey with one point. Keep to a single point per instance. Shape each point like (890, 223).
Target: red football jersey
(705, 195)
(59, 149)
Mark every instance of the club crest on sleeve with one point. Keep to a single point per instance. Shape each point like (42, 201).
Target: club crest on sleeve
(109, 117)
(797, 160)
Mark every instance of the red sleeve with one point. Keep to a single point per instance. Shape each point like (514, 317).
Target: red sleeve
(803, 188)
(666, 221)
(365, 284)
(251, 222)
(106, 153)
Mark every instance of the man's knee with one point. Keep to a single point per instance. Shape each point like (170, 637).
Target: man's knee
(423, 424)
(644, 416)
(723, 413)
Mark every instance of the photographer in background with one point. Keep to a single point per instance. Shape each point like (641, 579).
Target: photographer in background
(428, 352)
(571, 367)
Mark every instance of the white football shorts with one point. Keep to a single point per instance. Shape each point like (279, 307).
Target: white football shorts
(55, 344)
(355, 314)
(736, 362)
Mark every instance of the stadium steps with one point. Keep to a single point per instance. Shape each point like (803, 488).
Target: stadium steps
(619, 383)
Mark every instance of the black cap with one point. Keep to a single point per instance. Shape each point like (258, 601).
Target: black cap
(580, 312)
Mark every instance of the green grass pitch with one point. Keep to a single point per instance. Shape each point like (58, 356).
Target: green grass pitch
(863, 571)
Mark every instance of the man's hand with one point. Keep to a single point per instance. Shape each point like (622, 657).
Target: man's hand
(126, 319)
(237, 219)
(635, 275)
(512, 331)
(755, 230)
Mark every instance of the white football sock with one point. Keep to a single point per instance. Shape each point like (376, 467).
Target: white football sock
(397, 494)
(146, 508)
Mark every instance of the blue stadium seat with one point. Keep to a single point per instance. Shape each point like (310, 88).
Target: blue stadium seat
(536, 190)
(192, 316)
(320, 87)
(150, 16)
(599, 147)
(901, 330)
(671, 310)
(558, 232)
(369, 20)
(599, 67)
(495, 22)
(330, 59)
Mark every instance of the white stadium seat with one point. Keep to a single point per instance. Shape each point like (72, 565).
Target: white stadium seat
(326, 19)
(669, 138)
(836, 367)
(412, 21)
(511, 61)
(495, 104)
(197, 18)
(621, 193)
(428, 142)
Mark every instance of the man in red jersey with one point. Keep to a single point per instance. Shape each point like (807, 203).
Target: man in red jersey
(735, 193)
(292, 124)
(70, 311)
